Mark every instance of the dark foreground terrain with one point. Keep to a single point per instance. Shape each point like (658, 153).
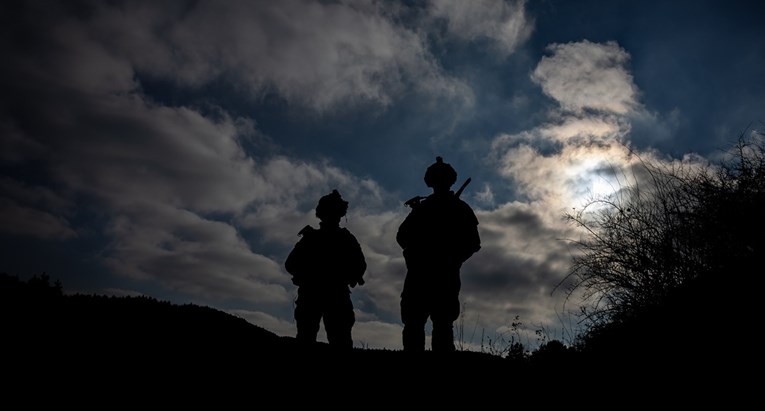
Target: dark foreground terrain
(94, 340)
(133, 347)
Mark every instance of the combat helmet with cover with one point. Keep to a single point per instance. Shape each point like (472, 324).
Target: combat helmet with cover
(331, 206)
(440, 174)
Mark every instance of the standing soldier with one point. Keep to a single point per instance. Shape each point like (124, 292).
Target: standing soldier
(323, 264)
(439, 234)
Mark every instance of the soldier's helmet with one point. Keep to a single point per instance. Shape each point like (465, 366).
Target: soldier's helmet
(440, 174)
(331, 206)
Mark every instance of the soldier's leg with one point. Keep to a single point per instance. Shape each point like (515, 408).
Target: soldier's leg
(414, 315)
(338, 322)
(443, 336)
(446, 311)
(307, 319)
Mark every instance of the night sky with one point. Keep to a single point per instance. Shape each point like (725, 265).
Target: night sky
(175, 148)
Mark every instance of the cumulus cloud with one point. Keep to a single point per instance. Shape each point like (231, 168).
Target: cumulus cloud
(568, 177)
(174, 184)
(517, 269)
(319, 54)
(155, 173)
(504, 23)
(34, 211)
(26, 221)
(587, 133)
(17, 147)
(170, 155)
(586, 75)
(581, 151)
(485, 196)
(187, 253)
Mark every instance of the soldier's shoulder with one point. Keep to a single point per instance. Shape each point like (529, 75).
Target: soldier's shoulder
(463, 203)
(466, 209)
(460, 203)
(347, 233)
(307, 230)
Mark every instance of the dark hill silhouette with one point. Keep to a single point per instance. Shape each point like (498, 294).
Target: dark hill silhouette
(54, 333)
(141, 346)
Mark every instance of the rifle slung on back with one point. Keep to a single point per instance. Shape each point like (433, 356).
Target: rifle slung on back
(415, 201)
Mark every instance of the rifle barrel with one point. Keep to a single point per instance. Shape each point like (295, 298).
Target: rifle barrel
(463, 187)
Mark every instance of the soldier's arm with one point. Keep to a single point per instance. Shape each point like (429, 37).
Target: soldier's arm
(296, 262)
(404, 234)
(471, 237)
(358, 263)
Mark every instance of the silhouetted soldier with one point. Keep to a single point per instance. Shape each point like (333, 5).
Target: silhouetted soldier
(323, 264)
(439, 234)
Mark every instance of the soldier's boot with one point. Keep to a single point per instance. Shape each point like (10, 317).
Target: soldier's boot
(443, 337)
(414, 338)
(340, 340)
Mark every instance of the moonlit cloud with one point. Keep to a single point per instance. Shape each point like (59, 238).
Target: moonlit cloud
(565, 178)
(579, 153)
(579, 76)
(504, 23)
(586, 75)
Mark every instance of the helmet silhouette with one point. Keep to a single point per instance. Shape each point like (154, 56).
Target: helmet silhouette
(440, 174)
(331, 206)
